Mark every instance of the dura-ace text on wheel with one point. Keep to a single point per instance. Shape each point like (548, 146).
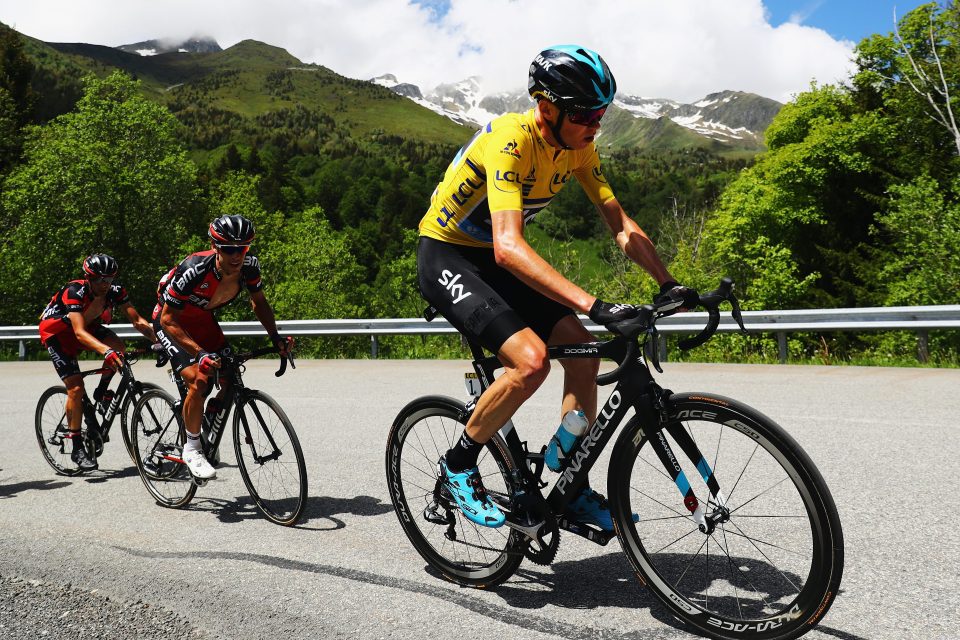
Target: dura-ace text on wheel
(762, 557)
(459, 549)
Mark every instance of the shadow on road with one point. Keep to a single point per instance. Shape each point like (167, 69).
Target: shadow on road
(11, 490)
(317, 508)
(324, 508)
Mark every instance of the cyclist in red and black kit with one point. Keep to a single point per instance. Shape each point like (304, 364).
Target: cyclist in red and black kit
(188, 330)
(73, 322)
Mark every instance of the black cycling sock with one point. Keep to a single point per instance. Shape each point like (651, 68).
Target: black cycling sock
(464, 454)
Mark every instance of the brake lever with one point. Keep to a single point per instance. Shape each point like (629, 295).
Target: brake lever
(283, 367)
(653, 352)
(735, 312)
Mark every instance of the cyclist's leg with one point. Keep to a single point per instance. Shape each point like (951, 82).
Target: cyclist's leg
(63, 349)
(460, 283)
(197, 386)
(109, 338)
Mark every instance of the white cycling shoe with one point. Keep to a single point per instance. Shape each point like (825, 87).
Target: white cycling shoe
(199, 466)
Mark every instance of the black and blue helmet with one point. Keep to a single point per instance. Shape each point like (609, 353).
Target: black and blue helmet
(572, 77)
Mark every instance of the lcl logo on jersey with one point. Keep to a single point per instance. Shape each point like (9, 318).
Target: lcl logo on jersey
(598, 175)
(558, 181)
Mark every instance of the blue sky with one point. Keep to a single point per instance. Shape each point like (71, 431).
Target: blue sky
(673, 49)
(843, 19)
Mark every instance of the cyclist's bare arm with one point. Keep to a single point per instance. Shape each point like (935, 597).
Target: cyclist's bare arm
(84, 337)
(514, 254)
(138, 322)
(170, 321)
(263, 311)
(633, 241)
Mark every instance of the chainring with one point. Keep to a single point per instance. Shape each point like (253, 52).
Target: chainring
(544, 550)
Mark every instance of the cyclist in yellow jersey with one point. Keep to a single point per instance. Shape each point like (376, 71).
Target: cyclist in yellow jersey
(476, 268)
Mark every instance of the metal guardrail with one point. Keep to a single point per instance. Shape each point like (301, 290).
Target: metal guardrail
(921, 320)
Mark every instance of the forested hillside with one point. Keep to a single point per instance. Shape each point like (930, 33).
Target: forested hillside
(855, 203)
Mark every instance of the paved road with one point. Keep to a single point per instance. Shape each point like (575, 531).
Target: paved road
(94, 557)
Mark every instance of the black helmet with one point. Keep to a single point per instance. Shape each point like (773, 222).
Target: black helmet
(100, 265)
(231, 230)
(572, 77)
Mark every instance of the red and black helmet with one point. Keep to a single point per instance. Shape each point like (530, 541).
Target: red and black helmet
(231, 230)
(100, 265)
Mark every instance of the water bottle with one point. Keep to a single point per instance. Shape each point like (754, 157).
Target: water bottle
(572, 426)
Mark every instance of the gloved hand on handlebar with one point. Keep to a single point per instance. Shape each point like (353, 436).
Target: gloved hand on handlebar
(208, 362)
(672, 291)
(162, 356)
(113, 360)
(284, 344)
(606, 313)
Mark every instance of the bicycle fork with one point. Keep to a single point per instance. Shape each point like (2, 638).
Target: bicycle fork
(706, 522)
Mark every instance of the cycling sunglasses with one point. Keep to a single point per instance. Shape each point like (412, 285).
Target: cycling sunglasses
(587, 118)
(96, 279)
(232, 249)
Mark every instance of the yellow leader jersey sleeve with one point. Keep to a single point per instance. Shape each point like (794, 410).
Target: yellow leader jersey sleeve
(506, 166)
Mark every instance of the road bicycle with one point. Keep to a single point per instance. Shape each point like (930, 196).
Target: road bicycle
(266, 446)
(738, 535)
(53, 433)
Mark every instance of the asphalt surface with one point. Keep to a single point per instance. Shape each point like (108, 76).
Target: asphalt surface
(94, 557)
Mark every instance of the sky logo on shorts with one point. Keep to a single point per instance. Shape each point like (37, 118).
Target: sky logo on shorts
(449, 282)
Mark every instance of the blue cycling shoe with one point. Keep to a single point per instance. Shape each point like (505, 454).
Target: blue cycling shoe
(467, 490)
(591, 507)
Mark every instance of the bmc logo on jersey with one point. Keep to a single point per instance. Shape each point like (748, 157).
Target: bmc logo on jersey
(511, 149)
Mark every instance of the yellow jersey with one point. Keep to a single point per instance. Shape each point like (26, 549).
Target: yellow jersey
(506, 166)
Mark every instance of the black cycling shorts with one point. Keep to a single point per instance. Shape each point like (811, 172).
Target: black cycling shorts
(63, 348)
(481, 299)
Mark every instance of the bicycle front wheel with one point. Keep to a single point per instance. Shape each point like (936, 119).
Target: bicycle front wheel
(270, 458)
(126, 416)
(460, 550)
(738, 534)
(157, 438)
(50, 421)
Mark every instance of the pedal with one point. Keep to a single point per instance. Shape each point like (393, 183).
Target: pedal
(431, 513)
(590, 532)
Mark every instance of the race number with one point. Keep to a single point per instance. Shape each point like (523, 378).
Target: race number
(472, 383)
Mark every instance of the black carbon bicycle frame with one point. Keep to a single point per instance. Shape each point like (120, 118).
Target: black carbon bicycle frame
(635, 388)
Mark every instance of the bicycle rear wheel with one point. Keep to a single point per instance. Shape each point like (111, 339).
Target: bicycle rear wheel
(157, 438)
(126, 415)
(460, 550)
(270, 458)
(50, 423)
(769, 564)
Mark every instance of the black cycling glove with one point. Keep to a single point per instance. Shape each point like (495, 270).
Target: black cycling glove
(605, 313)
(671, 291)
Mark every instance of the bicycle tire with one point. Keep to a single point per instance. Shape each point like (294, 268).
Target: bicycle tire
(278, 486)
(423, 431)
(778, 558)
(126, 416)
(50, 422)
(157, 435)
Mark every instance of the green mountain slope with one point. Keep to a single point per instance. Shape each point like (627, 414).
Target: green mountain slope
(252, 79)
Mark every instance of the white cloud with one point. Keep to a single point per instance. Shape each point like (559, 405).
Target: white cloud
(680, 49)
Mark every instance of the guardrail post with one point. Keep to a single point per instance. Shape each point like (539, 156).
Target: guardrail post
(782, 346)
(374, 347)
(923, 345)
(22, 352)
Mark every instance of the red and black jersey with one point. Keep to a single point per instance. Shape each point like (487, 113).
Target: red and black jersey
(196, 278)
(77, 296)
